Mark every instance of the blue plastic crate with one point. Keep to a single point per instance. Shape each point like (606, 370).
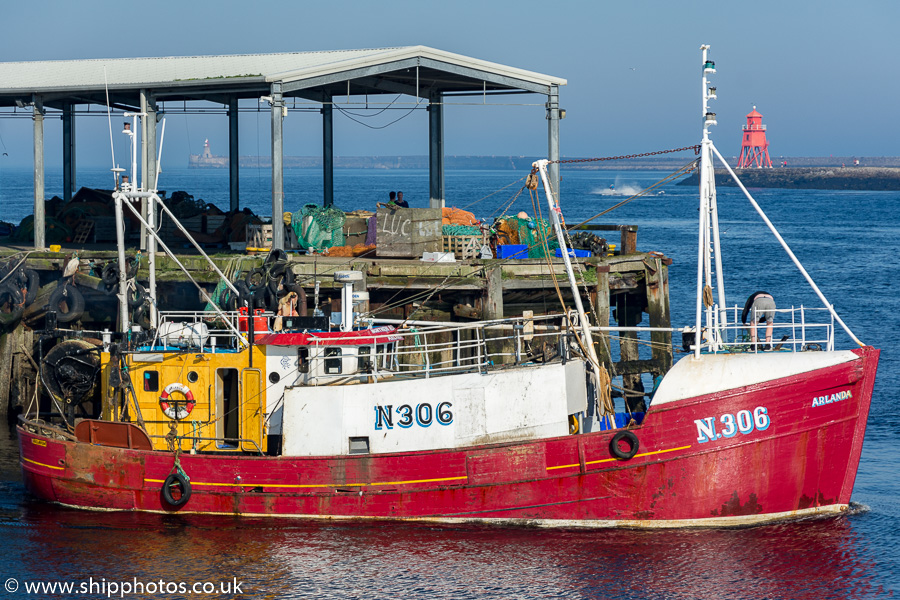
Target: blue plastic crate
(622, 420)
(512, 251)
(574, 253)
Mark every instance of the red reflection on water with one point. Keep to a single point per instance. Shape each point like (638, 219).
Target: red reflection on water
(300, 559)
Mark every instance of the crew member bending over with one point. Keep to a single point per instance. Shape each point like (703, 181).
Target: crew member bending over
(762, 307)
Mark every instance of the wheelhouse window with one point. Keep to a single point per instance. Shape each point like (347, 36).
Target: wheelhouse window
(151, 381)
(364, 362)
(333, 361)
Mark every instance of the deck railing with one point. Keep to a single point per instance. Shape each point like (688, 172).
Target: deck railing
(795, 328)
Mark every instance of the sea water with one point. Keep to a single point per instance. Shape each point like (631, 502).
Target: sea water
(849, 243)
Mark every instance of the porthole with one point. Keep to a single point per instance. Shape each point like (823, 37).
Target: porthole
(274, 377)
(193, 377)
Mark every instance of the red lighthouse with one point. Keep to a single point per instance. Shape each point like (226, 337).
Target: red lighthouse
(755, 147)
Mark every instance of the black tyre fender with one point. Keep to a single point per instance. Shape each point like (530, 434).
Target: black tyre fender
(244, 294)
(277, 273)
(33, 285)
(184, 485)
(633, 445)
(257, 278)
(271, 301)
(11, 307)
(110, 274)
(276, 255)
(228, 300)
(141, 316)
(74, 302)
(282, 287)
(136, 295)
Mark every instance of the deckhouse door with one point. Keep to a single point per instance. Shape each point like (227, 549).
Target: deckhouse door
(252, 407)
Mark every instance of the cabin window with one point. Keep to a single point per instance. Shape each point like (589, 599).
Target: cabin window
(274, 377)
(303, 360)
(193, 376)
(364, 362)
(333, 361)
(151, 381)
(359, 445)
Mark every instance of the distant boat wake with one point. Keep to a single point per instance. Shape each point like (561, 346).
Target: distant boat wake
(619, 190)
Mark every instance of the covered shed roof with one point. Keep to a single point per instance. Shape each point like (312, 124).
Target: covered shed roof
(413, 70)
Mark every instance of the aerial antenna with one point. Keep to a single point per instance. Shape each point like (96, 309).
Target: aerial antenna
(112, 151)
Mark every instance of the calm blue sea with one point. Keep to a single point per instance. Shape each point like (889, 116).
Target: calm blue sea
(849, 242)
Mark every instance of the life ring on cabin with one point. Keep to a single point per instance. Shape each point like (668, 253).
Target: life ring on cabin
(182, 484)
(170, 409)
(626, 436)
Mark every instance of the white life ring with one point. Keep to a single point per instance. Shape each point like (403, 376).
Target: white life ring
(177, 410)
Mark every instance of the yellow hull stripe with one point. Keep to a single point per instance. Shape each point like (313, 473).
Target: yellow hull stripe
(34, 462)
(594, 462)
(315, 485)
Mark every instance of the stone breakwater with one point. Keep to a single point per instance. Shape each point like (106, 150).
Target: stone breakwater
(816, 178)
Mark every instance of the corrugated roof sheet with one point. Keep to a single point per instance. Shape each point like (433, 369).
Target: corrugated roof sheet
(135, 73)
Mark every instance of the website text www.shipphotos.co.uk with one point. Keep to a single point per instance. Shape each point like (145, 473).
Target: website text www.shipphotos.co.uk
(123, 589)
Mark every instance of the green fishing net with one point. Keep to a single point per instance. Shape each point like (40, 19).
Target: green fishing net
(318, 227)
(460, 230)
(516, 230)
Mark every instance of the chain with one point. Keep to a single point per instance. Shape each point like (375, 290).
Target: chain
(695, 148)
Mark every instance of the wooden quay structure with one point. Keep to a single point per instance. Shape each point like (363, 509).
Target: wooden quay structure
(627, 285)
(629, 288)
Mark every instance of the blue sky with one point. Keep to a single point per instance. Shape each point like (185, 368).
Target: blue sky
(824, 74)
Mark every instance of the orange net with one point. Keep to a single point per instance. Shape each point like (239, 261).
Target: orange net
(458, 216)
(357, 250)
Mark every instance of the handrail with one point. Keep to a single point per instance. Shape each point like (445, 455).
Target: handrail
(214, 439)
(26, 422)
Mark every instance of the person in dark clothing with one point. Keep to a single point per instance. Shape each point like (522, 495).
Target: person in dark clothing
(400, 201)
(761, 307)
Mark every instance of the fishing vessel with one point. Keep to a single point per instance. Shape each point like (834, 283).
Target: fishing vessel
(229, 412)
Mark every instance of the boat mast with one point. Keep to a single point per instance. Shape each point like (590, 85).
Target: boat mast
(587, 339)
(709, 247)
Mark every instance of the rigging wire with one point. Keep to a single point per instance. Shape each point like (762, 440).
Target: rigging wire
(349, 116)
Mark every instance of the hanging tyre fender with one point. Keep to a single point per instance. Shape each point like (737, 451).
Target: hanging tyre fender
(257, 278)
(243, 289)
(184, 487)
(110, 274)
(33, 285)
(141, 316)
(74, 302)
(136, 295)
(624, 436)
(275, 255)
(11, 305)
(229, 300)
(277, 276)
(170, 409)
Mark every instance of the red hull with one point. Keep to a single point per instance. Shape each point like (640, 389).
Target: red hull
(799, 457)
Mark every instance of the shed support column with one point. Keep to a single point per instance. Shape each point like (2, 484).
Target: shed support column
(553, 138)
(38, 116)
(436, 150)
(277, 167)
(234, 156)
(327, 152)
(148, 155)
(68, 122)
